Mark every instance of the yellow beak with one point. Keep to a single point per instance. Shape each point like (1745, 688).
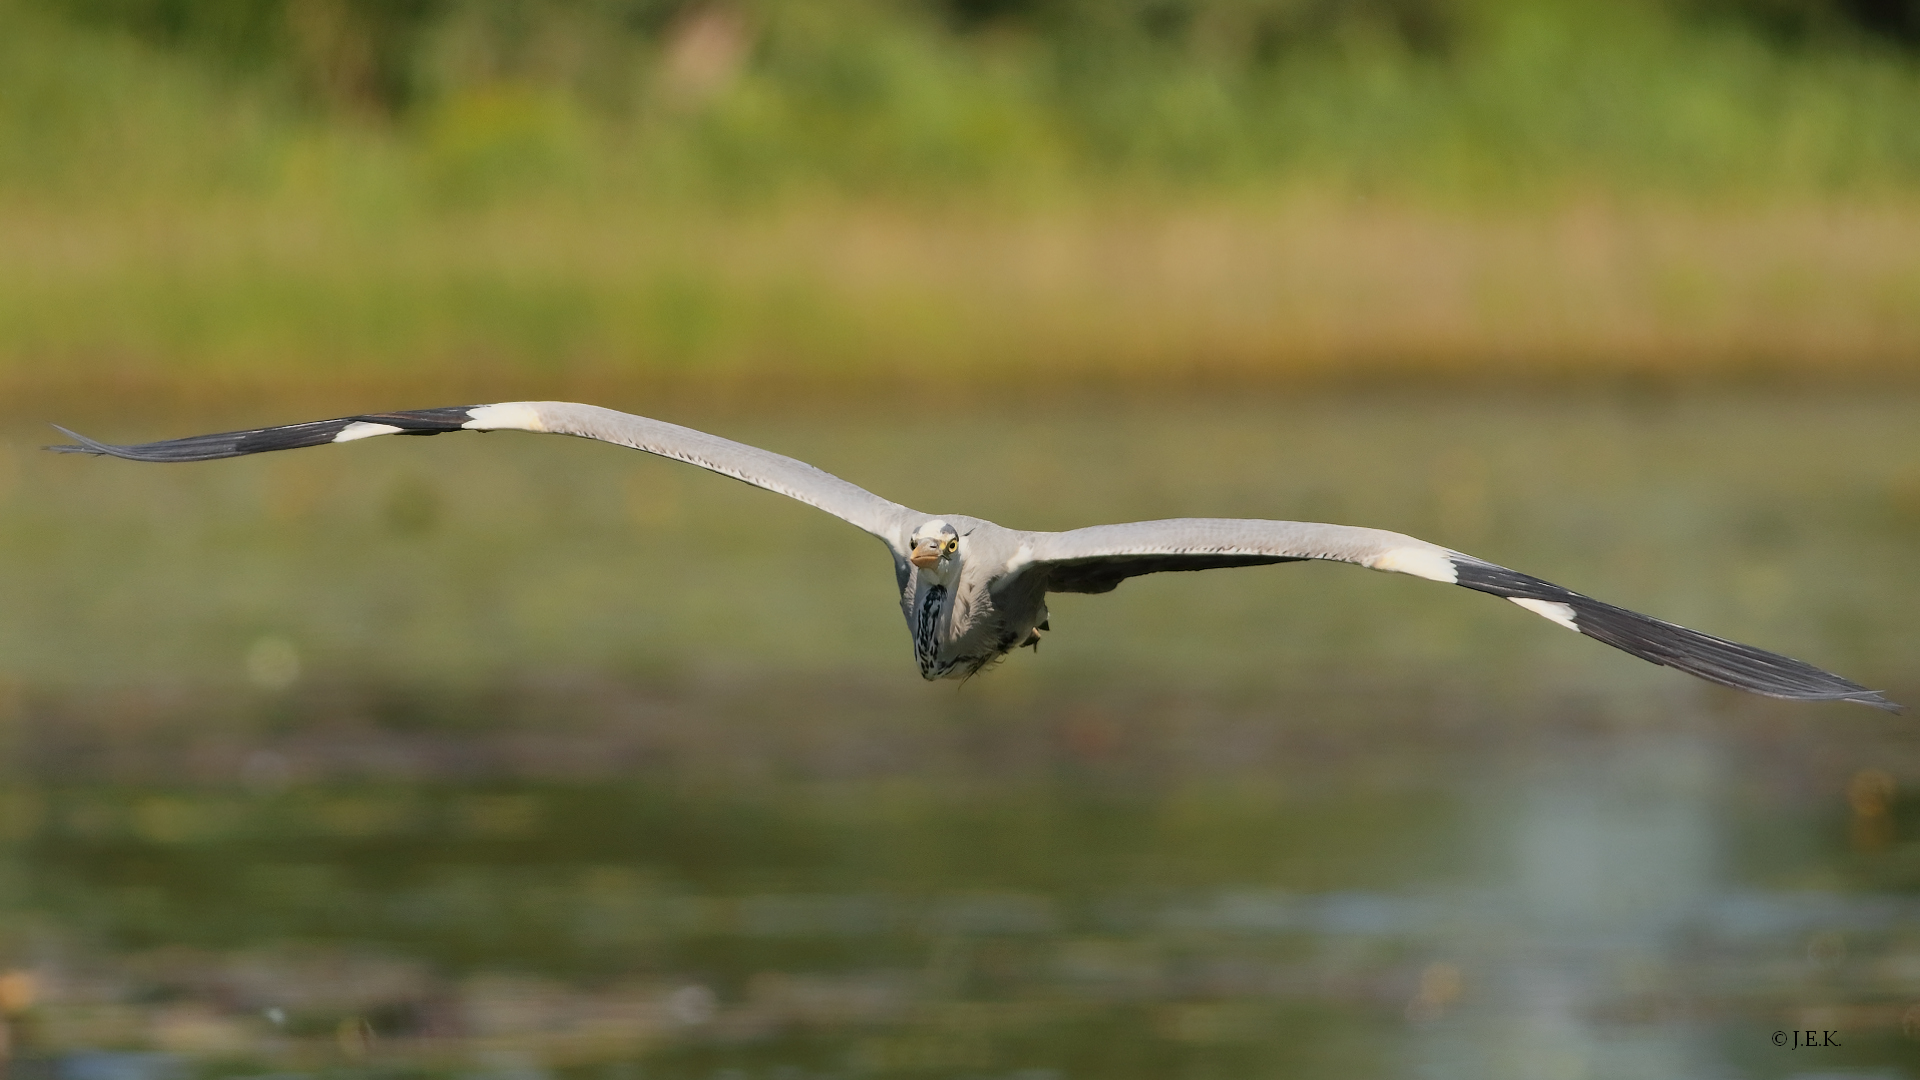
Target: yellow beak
(925, 554)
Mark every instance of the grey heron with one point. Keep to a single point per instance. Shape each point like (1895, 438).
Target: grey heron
(973, 591)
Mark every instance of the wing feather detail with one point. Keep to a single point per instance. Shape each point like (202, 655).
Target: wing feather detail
(228, 444)
(1705, 656)
(749, 464)
(1099, 558)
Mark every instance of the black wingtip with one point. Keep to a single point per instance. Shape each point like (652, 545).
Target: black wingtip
(1717, 660)
(86, 445)
(1873, 698)
(1878, 701)
(226, 444)
(198, 448)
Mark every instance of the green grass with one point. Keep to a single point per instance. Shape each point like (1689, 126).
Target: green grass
(761, 304)
(885, 100)
(846, 195)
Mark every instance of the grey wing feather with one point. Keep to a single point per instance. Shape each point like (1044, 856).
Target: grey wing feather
(787, 476)
(748, 464)
(1099, 558)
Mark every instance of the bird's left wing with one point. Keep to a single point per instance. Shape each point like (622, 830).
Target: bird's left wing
(1098, 559)
(749, 464)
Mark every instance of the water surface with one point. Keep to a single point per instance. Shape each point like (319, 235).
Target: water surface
(516, 757)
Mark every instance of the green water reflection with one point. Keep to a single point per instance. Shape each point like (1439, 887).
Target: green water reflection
(1621, 897)
(500, 759)
(869, 932)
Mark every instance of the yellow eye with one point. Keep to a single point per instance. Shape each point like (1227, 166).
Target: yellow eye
(951, 546)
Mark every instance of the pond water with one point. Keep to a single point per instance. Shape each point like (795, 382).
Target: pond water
(507, 757)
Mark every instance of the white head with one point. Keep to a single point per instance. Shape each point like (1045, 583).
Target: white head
(934, 548)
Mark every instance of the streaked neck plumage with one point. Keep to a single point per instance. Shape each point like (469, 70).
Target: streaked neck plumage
(931, 615)
(936, 604)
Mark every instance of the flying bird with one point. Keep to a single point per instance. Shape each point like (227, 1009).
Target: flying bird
(973, 591)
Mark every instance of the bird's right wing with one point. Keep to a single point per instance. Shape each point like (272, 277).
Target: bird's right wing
(1099, 558)
(795, 479)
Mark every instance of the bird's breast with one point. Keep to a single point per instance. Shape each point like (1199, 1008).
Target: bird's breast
(928, 617)
(957, 630)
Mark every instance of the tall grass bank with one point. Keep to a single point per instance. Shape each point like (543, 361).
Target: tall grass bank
(762, 195)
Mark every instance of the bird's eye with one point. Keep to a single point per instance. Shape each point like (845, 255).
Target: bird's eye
(952, 545)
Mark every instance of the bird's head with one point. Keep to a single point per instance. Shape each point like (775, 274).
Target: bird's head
(934, 547)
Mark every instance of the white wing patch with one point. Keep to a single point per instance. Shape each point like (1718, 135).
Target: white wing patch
(507, 416)
(361, 429)
(1420, 562)
(1549, 609)
(1020, 558)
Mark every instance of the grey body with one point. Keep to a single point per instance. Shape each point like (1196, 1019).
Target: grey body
(980, 613)
(972, 591)
(992, 598)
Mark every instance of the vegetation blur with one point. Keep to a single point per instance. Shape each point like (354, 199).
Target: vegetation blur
(248, 193)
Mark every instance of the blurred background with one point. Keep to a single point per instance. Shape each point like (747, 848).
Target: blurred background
(520, 759)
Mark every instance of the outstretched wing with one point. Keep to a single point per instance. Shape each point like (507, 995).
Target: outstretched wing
(1098, 559)
(762, 468)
